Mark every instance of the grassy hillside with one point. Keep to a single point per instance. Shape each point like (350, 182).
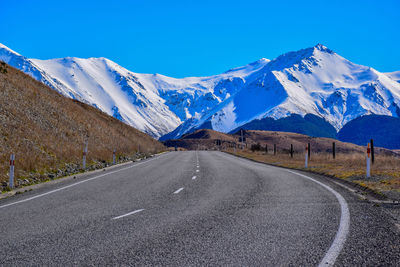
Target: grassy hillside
(206, 139)
(46, 131)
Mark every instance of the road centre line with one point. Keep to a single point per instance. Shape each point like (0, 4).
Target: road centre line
(179, 190)
(127, 214)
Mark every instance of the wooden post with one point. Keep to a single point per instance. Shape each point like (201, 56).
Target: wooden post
(309, 150)
(368, 161)
(372, 151)
(306, 158)
(333, 150)
(266, 149)
(291, 150)
(274, 149)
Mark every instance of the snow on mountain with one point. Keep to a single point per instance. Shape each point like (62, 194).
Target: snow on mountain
(315, 81)
(394, 75)
(153, 103)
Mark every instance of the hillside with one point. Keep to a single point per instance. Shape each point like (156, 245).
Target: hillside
(46, 130)
(206, 139)
(385, 131)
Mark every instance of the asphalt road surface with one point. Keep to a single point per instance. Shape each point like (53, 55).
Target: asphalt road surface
(196, 208)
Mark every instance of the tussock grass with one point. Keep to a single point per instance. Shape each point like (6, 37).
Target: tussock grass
(46, 130)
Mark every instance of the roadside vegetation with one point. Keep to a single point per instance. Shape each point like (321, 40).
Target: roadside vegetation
(47, 131)
(385, 172)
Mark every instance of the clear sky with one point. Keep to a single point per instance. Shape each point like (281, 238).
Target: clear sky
(199, 38)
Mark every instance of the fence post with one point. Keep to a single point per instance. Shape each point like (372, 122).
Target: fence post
(372, 151)
(291, 150)
(12, 166)
(306, 159)
(114, 156)
(266, 149)
(85, 150)
(274, 149)
(309, 151)
(368, 161)
(333, 150)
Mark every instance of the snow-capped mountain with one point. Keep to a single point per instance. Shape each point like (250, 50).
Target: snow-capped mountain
(315, 81)
(394, 75)
(310, 81)
(153, 103)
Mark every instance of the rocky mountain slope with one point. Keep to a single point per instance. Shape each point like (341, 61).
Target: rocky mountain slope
(314, 81)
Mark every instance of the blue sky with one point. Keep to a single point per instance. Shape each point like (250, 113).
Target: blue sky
(199, 38)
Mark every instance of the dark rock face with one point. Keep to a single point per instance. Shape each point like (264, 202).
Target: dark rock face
(309, 125)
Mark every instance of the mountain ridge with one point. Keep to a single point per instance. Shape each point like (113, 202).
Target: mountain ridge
(313, 80)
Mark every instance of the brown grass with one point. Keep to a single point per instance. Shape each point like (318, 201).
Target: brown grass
(385, 171)
(46, 130)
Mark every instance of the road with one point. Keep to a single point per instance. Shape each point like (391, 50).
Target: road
(196, 208)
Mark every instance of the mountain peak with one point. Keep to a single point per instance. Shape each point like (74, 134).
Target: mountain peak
(322, 48)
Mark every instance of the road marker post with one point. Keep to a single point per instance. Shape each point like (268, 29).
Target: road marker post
(114, 156)
(368, 161)
(306, 160)
(274, 149)
(333, 150)
(85, 150)
(12, 167)
(291, 150)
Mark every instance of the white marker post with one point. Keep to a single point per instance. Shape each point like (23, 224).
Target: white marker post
(368, 161)
(114, 157)
(12, 166)
(306, 161)
(85, 150)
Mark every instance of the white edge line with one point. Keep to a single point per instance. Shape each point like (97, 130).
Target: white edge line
(77, 183)
(179, 190)
(127, 214)
(344, 225)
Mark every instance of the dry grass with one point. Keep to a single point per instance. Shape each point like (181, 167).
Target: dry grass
(46, 130)
(385, 172)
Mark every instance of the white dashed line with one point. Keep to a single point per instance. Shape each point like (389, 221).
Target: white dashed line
(127, 214)
(197, 170)
(194, 177)
(179, 190)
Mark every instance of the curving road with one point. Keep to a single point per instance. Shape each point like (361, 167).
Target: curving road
(196, 208)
